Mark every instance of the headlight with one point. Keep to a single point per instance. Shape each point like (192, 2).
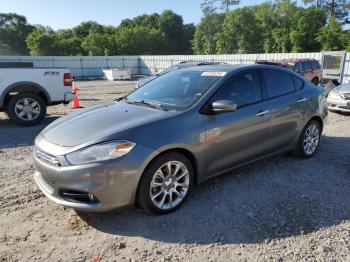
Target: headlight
(100, 152)
(335, 94)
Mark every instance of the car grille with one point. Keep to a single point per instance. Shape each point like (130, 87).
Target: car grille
(51, 183)
(46, 157)
(347, 96)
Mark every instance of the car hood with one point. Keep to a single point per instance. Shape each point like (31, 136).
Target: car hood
(344, 88)
(97, 122)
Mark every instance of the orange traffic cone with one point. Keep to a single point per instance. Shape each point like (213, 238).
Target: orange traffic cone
(76, 102)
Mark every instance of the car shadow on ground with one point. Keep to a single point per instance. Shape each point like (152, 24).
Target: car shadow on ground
(278, 197)
(20, 136)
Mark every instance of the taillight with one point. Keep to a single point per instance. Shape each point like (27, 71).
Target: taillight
(67, 79)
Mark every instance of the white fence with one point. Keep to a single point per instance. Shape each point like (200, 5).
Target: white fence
(91, 66)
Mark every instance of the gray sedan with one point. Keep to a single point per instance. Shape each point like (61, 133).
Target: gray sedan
(180, 129)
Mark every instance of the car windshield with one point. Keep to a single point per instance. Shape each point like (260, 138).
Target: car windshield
(177, 90)
(169, 69)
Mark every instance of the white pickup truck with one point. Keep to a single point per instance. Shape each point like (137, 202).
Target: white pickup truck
(25, 92)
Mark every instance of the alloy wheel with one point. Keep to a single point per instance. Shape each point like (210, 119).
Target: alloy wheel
(170, 184)
(311, 139)
(27, 109)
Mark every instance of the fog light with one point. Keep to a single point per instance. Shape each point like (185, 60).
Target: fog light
(91, 197)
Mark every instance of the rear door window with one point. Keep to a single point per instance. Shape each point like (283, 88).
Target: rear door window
(299, 84)
(277, 83)
(306, 66)
(298, 68)
(243, 89)
(316, 65)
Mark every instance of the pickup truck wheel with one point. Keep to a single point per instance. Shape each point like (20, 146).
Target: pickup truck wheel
(26, 109)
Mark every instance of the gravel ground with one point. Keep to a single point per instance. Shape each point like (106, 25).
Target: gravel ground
(277, 209)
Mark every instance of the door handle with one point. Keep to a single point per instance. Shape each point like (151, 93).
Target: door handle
(262, 113)
(302, 100)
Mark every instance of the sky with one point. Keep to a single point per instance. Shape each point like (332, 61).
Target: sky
(62, 14)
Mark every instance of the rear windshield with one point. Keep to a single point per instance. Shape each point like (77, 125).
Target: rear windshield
(290, 66)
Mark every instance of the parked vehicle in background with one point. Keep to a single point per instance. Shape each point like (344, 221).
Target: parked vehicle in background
(339, 98)
(309, 68)
(182, 64)
(182, 128)
(25, 92)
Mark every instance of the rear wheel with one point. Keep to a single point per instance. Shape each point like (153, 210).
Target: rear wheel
(309, 140)
(315, 81)
(166, 183)
(26, 109)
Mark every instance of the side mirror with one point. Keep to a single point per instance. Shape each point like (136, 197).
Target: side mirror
(221, 106)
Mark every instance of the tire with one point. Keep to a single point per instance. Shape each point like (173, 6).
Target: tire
(315, 81)
(163, 190)
(34, 109)
(301, 150)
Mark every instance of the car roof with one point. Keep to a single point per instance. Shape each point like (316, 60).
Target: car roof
(285, 61)
(219, 67)
(197, 63)
(232, 68)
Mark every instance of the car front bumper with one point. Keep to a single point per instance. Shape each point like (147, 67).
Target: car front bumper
(93, 187)
(338, 104)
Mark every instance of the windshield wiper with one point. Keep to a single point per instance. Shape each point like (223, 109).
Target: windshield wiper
(120, 98)
(146, 103)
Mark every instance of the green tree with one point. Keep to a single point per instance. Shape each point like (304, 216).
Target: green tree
(140, 40)
(339, 9)
(209, 11)
(346, 39)
(241, 33)
(318, 4)
(264, 14)
(178, 36)
(306, 30)
(205, 41)
(226, 4)
(172, 27)
(99, 44)
(151, 21)
(14, 31)
(330, 36)
(68, 43)
(42, 41)
(86, 28)
(286, 15)
(186, 43)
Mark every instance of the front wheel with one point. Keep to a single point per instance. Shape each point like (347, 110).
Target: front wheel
(26, 109)
(309, 140)
(166, 183)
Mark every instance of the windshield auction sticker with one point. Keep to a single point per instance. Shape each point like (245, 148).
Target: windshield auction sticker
(212, 73)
